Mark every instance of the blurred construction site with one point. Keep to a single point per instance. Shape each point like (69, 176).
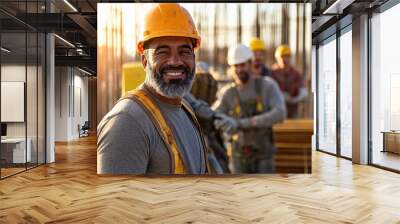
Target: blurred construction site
(220, 25)
(276, 30)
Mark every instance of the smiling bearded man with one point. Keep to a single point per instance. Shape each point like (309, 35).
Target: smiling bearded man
(152, 130)
(172, 79)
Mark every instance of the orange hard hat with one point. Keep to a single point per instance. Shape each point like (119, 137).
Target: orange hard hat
(282, 50)
(168, 19)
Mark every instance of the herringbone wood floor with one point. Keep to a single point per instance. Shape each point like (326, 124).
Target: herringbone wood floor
(69, 191)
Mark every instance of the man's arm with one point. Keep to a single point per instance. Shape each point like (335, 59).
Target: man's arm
(302, 91)
(201, 108)
(220, 120)
(300, 97)
(274, 115)
(122, 147)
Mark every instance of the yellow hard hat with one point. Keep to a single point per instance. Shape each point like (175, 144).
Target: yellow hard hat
(168, 19)
(256, 44)
(282, 50)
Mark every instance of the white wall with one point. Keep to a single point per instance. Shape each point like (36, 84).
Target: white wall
(16, 73)
(61, 103)
(71, 94)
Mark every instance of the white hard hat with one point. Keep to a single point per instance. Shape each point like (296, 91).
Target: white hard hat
(239, 54)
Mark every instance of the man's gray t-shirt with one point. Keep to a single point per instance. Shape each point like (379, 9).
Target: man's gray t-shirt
(129, 143)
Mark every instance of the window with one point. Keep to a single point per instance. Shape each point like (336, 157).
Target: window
(346, 94)
(327, 97)
(22, 77)
(385, 89)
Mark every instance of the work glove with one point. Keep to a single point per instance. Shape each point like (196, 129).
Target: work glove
(225, 123)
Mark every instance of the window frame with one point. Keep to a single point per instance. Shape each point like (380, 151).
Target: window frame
(347, 27)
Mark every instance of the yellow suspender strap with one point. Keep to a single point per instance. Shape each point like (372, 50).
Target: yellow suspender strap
(259, 104)
(165, 131)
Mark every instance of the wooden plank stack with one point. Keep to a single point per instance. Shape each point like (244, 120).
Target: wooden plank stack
(293, 141)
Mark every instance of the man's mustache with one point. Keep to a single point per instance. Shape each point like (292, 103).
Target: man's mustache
(185, 69)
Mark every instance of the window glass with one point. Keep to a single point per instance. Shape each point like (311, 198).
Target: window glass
(327, 97)
(346, 94)
(15, 149)
(385, 84)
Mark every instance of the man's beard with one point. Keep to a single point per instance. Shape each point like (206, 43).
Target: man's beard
(244, 77)
(175, 87)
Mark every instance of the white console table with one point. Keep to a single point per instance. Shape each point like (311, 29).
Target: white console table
(16, 147)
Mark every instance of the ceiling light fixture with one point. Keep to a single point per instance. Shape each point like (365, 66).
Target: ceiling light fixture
(84, 71)
(5, 50)
(337, 7)
(70, 5)
(65, 41)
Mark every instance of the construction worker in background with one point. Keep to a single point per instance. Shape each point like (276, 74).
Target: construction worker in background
(255, 104)
(204, 87)
(258, 66)
(289, 80)
(152, 130)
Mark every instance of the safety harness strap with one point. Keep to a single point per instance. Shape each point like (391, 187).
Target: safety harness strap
(238, 109)
(141, 97)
